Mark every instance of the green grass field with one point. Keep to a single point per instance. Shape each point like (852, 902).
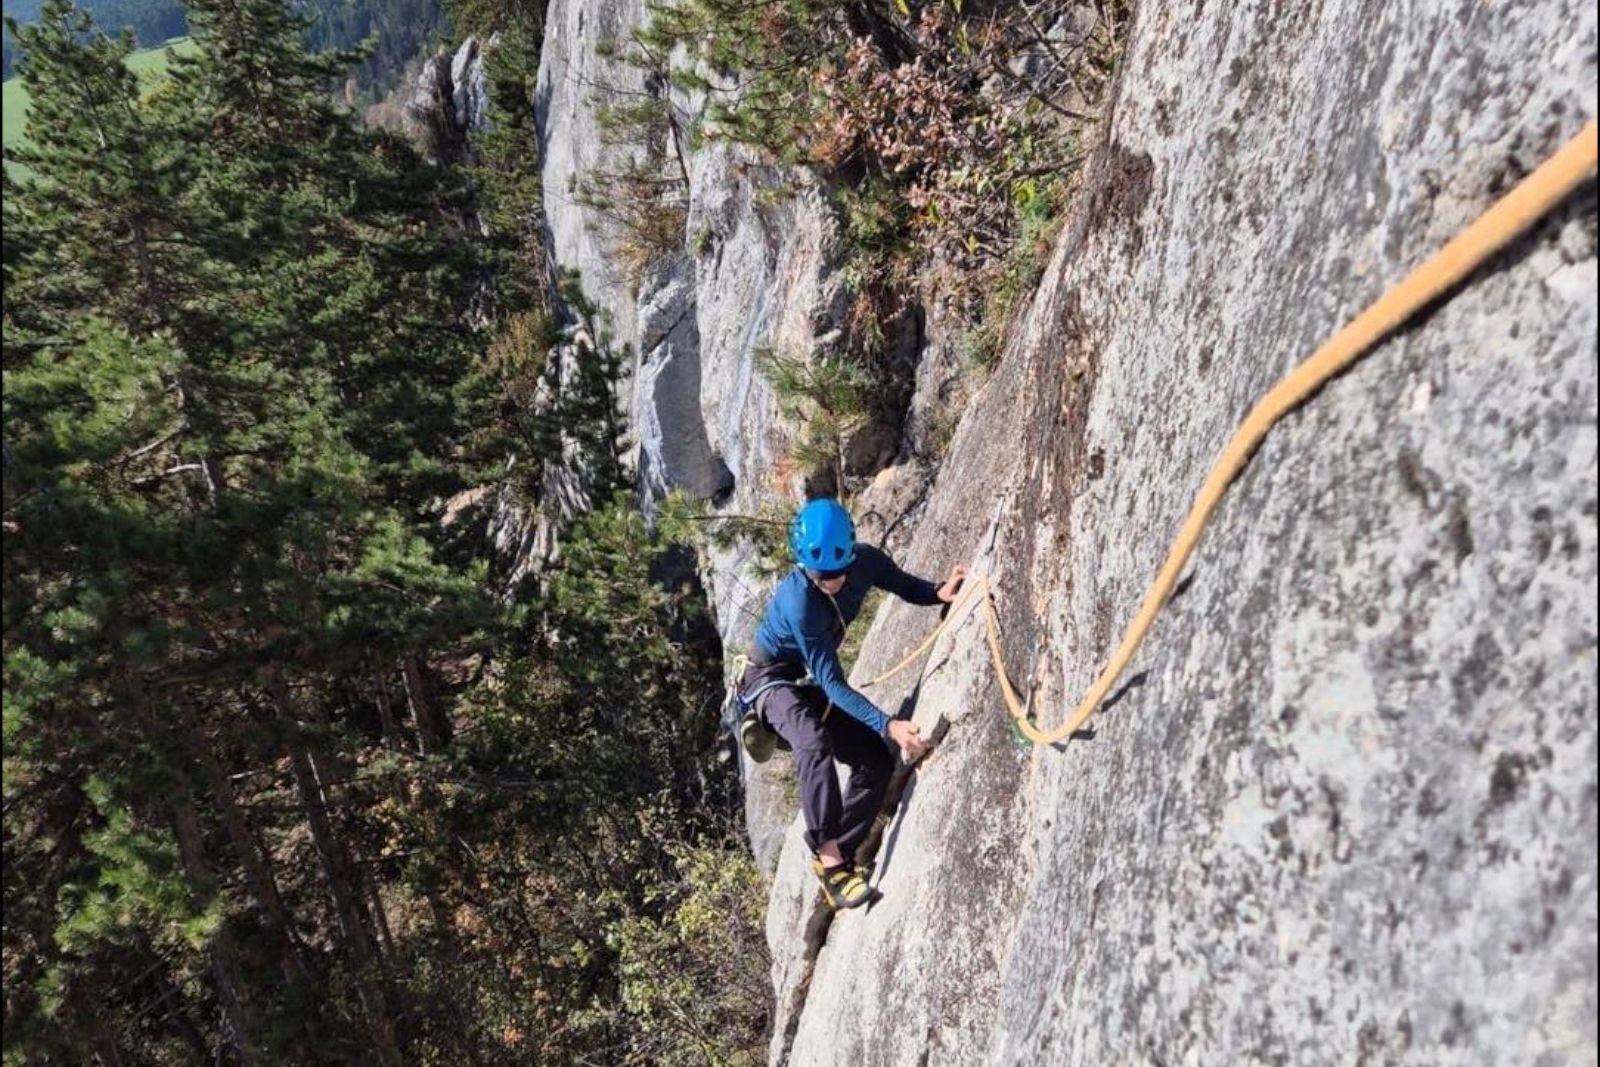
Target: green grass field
(149, 64)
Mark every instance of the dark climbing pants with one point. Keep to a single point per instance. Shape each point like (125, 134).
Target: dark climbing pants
(800, 715)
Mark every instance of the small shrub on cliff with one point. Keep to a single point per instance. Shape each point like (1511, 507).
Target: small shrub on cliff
(766, 531)
(828, 397)
(641, 188)
(931, 120)
(510, 193)
(880, 259)
(1008, 281)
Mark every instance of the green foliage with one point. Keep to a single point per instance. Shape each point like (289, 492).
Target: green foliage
(880, 260)
(541, 388)
(508, 186)
(139, 886)
(150, 21)
(939, 127)
(641, 191)
(585, 757)
(518, 22)
(700, 243)
(767, 530)
(827, 384)
(829, 397)
(772, 52)
(394, 32)
(1039, 208)
(689, 957)
(231, 331)
(639, 188)
(150, 65)
(390, 33)
(284, 777)
(605, 594)
(540, 392)
(875, 220)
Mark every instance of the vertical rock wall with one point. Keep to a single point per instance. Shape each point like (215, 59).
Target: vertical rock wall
(754, 273)
(575, 78)
(1343, 810)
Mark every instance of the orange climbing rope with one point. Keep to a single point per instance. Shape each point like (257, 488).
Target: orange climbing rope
(1513, 213)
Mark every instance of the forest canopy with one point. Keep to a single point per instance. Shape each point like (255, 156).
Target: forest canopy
(293, 773)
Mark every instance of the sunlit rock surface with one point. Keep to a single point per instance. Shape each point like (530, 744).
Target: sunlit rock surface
(1343, 810)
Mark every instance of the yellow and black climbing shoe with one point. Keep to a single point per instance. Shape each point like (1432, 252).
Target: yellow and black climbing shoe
(842, 886)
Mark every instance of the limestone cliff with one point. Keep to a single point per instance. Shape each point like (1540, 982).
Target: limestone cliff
(440, 103)
(1344, 809)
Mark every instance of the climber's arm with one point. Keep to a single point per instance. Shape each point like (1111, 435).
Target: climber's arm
(908, 587)
(887, 576)
(822, 661)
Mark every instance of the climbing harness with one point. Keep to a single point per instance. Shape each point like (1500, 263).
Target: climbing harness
(743, 711)
(1507, 218)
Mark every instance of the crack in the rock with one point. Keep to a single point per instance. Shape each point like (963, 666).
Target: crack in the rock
(661, 338)
(815, 938)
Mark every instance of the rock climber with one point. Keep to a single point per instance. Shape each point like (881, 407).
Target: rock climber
(796, 687)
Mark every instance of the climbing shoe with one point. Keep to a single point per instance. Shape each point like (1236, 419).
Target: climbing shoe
(842, 886)
(758, 740)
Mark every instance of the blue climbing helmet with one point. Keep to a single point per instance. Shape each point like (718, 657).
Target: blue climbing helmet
(822, 537)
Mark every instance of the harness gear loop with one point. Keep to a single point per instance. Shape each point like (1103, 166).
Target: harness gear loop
(1530, 200)
(730, 699)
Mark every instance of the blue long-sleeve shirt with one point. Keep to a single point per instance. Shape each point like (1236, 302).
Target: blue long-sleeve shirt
(802, 627)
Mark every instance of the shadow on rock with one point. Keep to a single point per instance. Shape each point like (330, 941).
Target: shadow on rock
(902, 786)
(1088, 733)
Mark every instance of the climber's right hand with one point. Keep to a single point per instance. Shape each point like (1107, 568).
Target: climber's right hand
(905, 734)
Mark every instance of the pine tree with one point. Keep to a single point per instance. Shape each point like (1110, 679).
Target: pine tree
(87, 409)
(233, 331)
(105, 180)
(283, 784)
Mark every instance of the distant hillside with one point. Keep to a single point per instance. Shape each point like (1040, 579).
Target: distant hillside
(152, 21)
(402, 27)
(149, 64)
(404, 30)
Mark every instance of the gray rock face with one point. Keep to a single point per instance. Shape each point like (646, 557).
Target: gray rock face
(448, 101)
(574, 81)
(764, 281)
(674, 451)
(469, 89)
(1343, 809)
(575, 78)
(754, 273)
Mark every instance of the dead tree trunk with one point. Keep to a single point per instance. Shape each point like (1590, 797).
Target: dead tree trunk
(343, 888)
(380, 918)
(179, 1019)
(257, 865)
(391, 729)
(224, 953)
(431, 729)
